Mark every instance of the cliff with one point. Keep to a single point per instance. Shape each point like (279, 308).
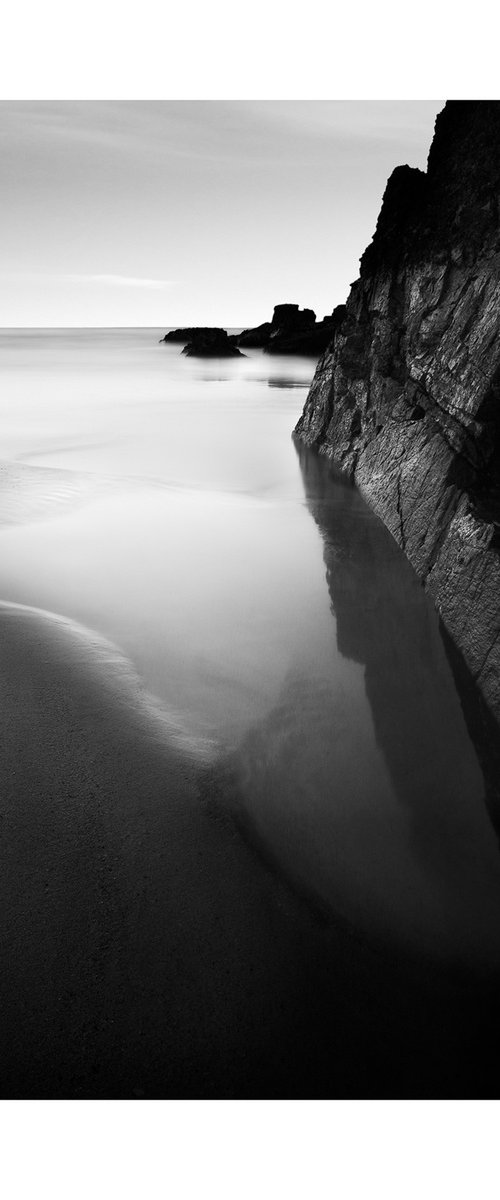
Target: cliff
(406, 397)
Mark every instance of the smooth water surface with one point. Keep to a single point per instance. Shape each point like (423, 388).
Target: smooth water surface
(160, 503)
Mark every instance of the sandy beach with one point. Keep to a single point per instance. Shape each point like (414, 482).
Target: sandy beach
(148, 951)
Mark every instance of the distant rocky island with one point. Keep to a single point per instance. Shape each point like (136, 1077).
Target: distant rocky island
(211, 343)
(290, 331)
(406, 398)
(204, 342)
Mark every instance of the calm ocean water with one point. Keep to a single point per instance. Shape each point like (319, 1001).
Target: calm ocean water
(160, 502)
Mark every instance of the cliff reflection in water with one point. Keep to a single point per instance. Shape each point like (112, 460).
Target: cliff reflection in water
(385, 622)
(364, 784)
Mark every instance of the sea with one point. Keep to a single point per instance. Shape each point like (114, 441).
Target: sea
(161, 530)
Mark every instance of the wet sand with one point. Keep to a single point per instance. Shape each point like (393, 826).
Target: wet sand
(149, 950)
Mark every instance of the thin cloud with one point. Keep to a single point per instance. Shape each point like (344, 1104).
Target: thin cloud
(131, 281)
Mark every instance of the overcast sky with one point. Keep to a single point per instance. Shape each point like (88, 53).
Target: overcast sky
(191, 212)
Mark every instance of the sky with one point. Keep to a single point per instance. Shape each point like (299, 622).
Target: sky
(164, 213)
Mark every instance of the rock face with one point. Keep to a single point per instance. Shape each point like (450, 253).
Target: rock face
(406, 399)
(291, 331)
(211, 343)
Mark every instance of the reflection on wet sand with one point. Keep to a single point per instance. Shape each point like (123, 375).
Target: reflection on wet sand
(284, 382)
(385, 622)
(365, 784)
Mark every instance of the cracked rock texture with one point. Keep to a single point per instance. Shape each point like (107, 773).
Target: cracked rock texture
(406, 398)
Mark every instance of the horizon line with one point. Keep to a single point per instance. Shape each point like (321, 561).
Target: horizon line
(238, 325)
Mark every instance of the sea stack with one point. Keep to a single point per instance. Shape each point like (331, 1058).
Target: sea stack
(406, 399)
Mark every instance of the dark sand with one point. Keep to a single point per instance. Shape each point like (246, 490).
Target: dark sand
(148, 950)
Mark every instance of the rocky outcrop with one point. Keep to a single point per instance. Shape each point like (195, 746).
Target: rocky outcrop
(406, 397)
(257, 337)
(291, 331)
(183, 336)
(211, 343)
